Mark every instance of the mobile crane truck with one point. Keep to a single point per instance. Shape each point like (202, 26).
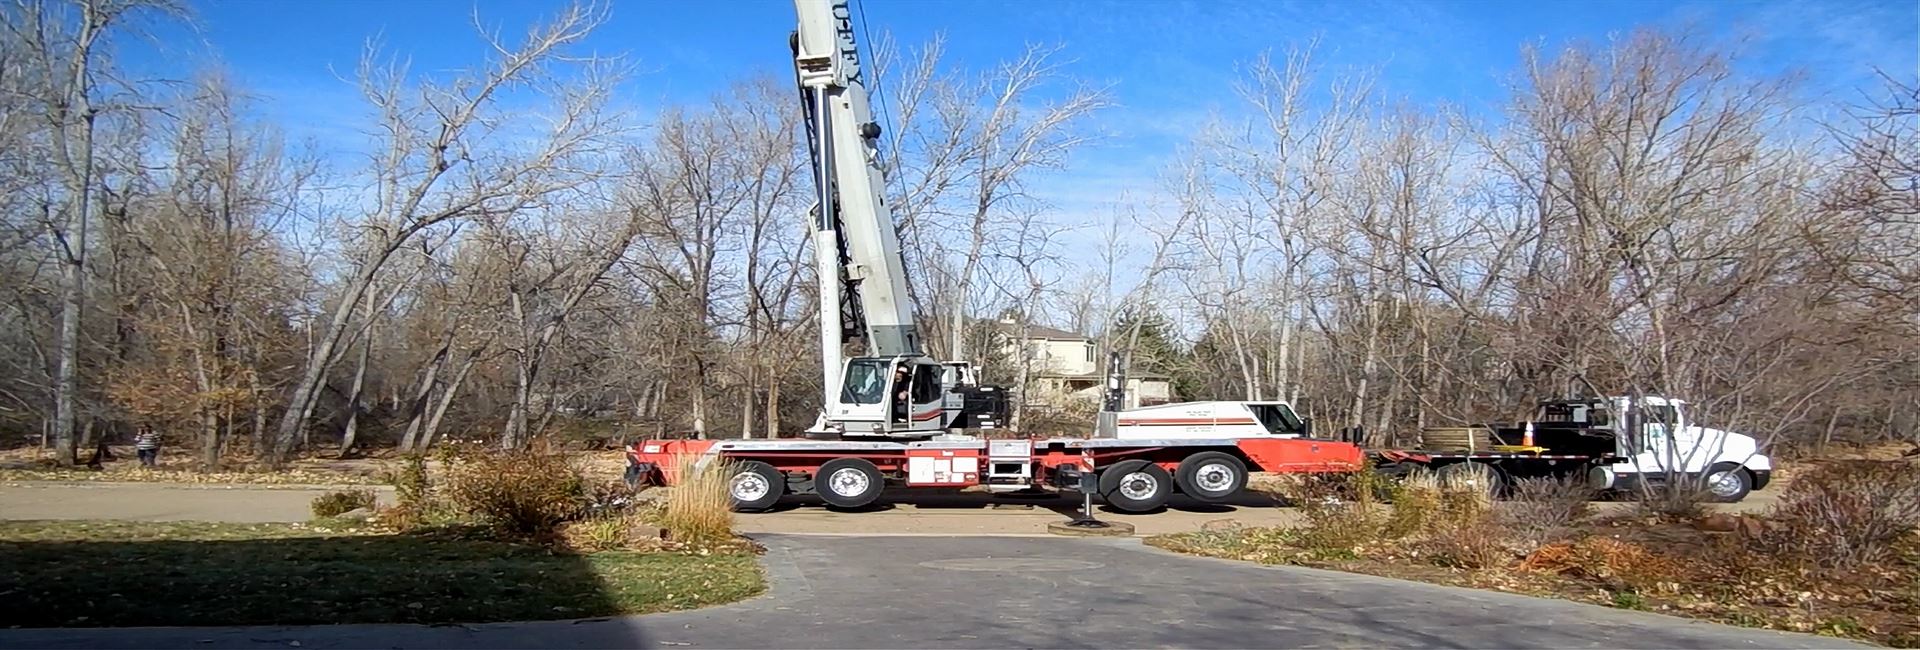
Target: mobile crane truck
(897, 417)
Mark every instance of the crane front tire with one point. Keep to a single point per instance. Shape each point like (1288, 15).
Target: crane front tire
(1135, 486)
(755, 486)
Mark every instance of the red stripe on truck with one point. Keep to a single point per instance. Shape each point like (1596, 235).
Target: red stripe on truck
(1180, 422)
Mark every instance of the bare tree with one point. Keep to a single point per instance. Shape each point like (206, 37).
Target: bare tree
(436, 167)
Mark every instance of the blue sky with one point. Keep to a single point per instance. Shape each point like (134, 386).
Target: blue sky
(1168, 62)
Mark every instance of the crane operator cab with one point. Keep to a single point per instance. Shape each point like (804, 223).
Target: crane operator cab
(909, 397)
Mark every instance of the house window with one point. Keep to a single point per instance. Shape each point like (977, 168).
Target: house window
(1089, 353)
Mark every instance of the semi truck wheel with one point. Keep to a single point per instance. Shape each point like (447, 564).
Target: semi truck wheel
(1729, 483)
(756, 486)
(1211, 476)
(848, 482)
(1135, 486)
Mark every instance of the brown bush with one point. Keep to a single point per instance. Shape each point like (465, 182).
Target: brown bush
(334, 504)
(1478, 544)
(1685, 500)
(521, 493)
(1542, 510)
(1848, 514)
(699, 508)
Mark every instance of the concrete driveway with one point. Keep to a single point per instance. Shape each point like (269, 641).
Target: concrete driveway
(1022, 592)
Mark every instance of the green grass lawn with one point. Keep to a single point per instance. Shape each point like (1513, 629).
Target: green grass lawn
(100, 574)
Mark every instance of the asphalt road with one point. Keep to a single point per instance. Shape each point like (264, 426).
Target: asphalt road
(1003, 592)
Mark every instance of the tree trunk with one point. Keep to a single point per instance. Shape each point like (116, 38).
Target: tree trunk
(700, 399)
(259, 435)
(773, 408)
(446, 400)
(516, 431)
(417, 409)
(306, 393)
(209, 440)
(746, 409)
(352, 433)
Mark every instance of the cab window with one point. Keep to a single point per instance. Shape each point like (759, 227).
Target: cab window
(866, 382)
(926, 383)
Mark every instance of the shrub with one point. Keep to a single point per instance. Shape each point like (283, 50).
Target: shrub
(1682, 500)
(1466, 496)
(1416, 503)
(1473, 544)
(699, 507)
(334, 504)
(1848, 514)
(410, 483)
(1545, 509)
(1341, 512)
(521, 493)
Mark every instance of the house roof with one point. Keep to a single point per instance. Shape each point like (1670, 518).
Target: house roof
(1095, 375)
(1041, 332)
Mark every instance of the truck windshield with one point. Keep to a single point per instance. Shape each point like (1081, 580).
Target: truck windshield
(865, 383)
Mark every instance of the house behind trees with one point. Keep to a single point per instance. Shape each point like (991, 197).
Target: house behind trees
(1068, 369)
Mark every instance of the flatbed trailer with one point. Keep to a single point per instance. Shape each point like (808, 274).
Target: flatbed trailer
(1132, 475)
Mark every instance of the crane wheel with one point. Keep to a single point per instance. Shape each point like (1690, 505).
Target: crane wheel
(1211, 476)
(848, 482)
(755, 486)
(1135, 486)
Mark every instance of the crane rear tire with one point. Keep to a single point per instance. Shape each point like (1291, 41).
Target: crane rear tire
(1211, 476)
(848, 482)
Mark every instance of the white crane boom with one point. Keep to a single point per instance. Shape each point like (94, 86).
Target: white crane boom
(862, 275)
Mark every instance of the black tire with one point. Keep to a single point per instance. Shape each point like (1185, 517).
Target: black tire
(1211, 476)
(1739, 483)
(848, 483)
(755, 486)
(1135, 486)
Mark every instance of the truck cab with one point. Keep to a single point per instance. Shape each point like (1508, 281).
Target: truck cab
(1205, 420)
(1654, 440)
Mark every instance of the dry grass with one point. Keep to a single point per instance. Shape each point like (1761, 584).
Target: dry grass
(699, 508)
(1416, 503)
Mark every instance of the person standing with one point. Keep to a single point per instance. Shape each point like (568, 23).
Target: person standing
(147, 444)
